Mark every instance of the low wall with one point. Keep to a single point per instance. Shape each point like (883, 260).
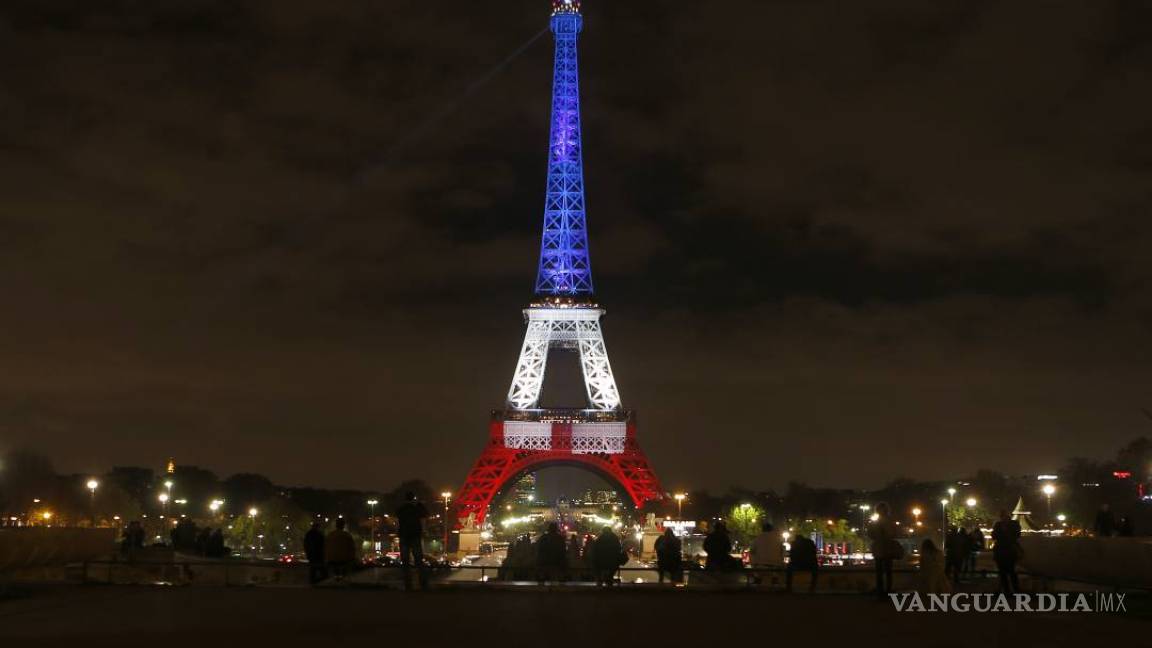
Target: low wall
(47, 546)
(1105, 561)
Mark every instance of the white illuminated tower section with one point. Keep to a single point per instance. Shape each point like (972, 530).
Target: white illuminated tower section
(600, 436)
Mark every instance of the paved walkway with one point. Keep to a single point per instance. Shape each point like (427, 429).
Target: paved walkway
(221, 617)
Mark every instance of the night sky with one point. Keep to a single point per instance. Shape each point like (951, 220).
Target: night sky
(837, 241)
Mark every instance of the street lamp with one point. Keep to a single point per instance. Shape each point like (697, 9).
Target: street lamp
(447, 495)
(1049, 489)
(214, 505)
(951, 493)
(252, 513)
(92, 486)
(163, 497)
(372, 533)
(944, 517)
(970, 502)
(680, 505)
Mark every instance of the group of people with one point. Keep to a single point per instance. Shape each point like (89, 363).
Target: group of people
(1107, 525)
(962, 548)
(333, 554)
(554, 558)
(329, 554)
(767, 552)
(940, 571)
(210, 543)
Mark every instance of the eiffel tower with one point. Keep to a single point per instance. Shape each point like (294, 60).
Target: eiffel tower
(600, 437)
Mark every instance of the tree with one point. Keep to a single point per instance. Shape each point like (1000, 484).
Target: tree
(744, 522)
(243, 490)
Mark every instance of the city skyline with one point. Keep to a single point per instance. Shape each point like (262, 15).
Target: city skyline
(831, 251)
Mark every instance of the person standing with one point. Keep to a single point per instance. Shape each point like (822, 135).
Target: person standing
(410, 529)
(1006, 551)
(975, 546)
(954, 547)
(314, 552)
(669, 557)
(607, 554)
(1105, 522)
(885, 549)
(551, 555)
(339, 550)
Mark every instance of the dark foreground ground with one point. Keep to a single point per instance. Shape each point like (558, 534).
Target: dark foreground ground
(214, 617)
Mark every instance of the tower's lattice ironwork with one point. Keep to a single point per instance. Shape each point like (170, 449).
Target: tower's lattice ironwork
(564, 266)
(601, 436)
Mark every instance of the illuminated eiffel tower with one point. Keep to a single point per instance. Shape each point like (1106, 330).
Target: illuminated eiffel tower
(601, 436)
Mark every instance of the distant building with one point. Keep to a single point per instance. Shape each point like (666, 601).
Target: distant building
(524, 492)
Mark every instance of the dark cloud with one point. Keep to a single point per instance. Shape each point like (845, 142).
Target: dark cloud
(295, 237)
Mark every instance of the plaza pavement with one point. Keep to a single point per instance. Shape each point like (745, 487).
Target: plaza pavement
(212, 617)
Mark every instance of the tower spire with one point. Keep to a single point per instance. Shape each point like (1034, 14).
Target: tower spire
(565, 269)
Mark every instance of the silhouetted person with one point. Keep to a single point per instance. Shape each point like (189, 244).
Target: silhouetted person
(339, 550)
(931, 579)
(314, 552)
(216, 546)
(669, 557)
(203, 537)
(607, 556)
(1006, 551)
(955, 553)
(1124, 528)
(575, 561)
(718, 547)
(133, 539)
(551, 555)
(1105, 522)
(885, 549)
(802, 557)
(410, 517)
(975, 546)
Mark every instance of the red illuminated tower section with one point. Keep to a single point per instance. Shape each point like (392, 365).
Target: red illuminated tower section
(601, 436)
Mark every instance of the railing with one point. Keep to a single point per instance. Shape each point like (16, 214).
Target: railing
(565, 415)
(268, 573)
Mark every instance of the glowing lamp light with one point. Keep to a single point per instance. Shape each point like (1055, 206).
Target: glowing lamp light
(875, 516)
(970, 502)
(943, 502)
(163, 497)
(1048, 489)
(916, 512)
(92, 484)
(253, 512)
(1061, 517)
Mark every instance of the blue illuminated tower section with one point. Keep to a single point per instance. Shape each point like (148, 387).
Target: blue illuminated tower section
(564, 266)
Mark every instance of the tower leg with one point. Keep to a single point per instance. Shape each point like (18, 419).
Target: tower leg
(529, 376)
(599, 383)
